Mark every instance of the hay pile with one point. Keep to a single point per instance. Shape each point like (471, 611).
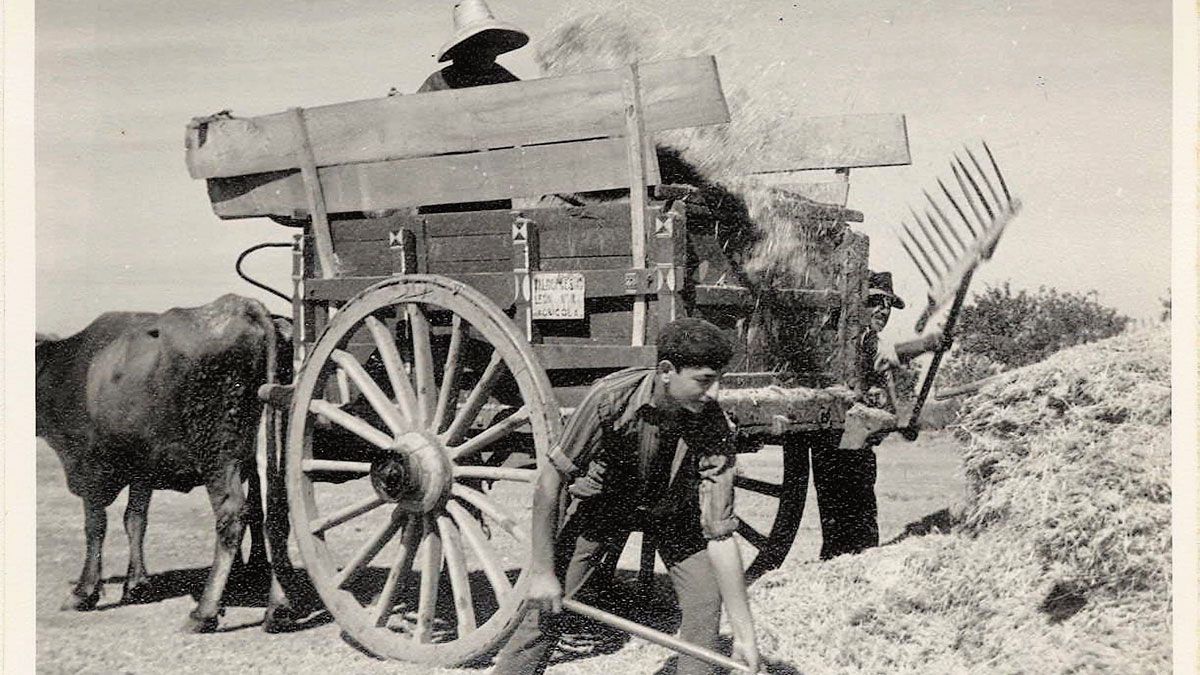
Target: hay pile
(1060, 561)
(774, 238)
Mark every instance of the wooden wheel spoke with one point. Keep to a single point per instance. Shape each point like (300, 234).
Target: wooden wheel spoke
(496, 473)
(422, 364)
(355, 425)
(367, 552)
(475, 400)
(310, 465)
(460, 581)
(385, 343)
(756, 539)
(490, 508)
(478, 542)
(450, 373)
(760, 486)
(401, 570)
(490, 435)
(343, 387)
(346, 514)
(387, 410)
(431, 571)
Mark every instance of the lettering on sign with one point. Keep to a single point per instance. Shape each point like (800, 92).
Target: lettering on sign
(557, 295)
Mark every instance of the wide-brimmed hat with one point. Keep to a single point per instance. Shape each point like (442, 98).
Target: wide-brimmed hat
(475, 23)
(880, 283)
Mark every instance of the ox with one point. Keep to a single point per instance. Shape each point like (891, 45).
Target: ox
(161, 401)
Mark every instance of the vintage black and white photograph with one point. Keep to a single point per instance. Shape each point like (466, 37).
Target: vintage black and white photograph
(598, 336)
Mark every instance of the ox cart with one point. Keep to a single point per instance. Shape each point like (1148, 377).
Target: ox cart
(469, 262)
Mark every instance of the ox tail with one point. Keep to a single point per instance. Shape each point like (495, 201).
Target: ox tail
(274, 498)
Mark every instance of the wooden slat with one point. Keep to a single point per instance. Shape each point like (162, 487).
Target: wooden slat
(739, 296)
(675, 94)
(576, 224)
(478, 176)
(838, 142)
(608, 283)
(594, 356)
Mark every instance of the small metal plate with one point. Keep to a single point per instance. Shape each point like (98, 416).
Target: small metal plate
(557, 295)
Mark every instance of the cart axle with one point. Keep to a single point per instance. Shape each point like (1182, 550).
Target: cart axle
(416, 474)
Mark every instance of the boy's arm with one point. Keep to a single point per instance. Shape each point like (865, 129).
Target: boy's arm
(578, 446)
(544, 590)
(731, 581)
(719, 523)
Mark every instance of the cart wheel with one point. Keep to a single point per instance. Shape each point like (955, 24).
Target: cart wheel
(401, 396)
(769, 504)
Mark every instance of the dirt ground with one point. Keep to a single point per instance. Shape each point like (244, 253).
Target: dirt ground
(915, 480)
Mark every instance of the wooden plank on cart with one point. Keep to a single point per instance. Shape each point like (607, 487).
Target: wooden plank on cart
(676, 93)
(838, 142)
(559, 168)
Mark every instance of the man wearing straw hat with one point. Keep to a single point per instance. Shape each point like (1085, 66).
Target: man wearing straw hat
(478, 39)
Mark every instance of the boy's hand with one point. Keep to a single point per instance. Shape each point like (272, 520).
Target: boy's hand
(545, 593)
(591, 483)
(747, 652)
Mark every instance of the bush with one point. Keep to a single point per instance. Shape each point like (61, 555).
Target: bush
(1017, 329)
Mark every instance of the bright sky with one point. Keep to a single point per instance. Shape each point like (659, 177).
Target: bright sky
(1073, 96)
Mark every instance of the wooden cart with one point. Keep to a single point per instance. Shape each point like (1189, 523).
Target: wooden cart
(441, 347)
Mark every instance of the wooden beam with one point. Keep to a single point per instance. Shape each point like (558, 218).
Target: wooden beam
(677, 93)
(531, 171)
(838, 142)
(314, 195)
(553, 356)
(634, 133)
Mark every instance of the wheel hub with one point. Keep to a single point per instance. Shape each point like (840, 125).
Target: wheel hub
(416, 474)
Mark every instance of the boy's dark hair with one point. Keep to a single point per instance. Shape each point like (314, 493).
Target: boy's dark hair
(691, 342)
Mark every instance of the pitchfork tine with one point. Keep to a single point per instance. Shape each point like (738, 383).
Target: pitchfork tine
(932, 242)
(982, 199)
(999, 176)
(945, 221)
(913, 258)
(962, 184)
(941, 235)
(957, 208)
(932, 267)
(984, 177)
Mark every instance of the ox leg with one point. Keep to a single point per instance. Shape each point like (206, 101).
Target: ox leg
(229, 506)
(280, 616)
(136, 511)
(87, 592)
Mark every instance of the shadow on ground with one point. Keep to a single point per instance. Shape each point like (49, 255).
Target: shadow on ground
(941, 521)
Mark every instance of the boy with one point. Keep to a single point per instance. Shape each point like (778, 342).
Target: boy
(650, 448)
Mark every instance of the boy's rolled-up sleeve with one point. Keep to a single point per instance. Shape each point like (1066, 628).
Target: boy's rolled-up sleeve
(581, 437)
(717, 468)
(717, 519)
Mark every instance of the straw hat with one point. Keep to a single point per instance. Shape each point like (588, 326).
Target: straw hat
(880, 283)
(475, 23)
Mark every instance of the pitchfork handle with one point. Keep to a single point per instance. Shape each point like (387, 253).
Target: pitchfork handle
(651, 635)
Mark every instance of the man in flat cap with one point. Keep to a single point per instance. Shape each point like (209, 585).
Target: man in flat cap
(845, 478)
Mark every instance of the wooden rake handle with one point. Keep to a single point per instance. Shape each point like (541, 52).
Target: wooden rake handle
(657, 637)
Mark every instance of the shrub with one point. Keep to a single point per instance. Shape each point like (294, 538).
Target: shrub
(1017, 329)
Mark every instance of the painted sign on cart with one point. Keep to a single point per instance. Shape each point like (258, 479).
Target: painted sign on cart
(557, 295)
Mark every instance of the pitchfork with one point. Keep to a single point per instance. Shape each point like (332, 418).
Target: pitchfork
(949, 256)
(949, 280)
